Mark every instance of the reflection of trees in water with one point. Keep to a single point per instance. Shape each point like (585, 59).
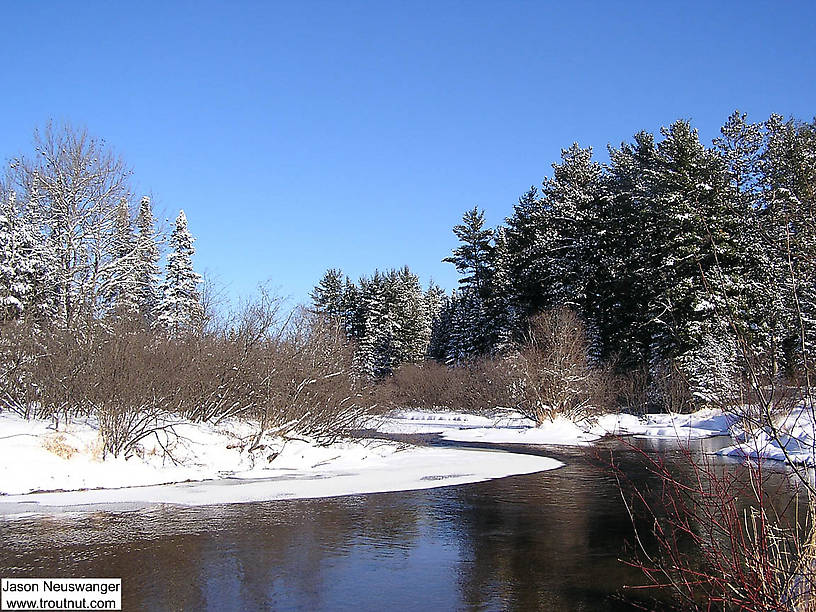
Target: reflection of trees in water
(244, 556)
(543, 541)
(548, 541)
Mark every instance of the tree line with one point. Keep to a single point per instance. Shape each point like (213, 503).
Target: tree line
(684, 261)
(90, 328)
(74, 246)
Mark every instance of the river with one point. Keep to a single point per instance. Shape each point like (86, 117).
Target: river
(547, 541)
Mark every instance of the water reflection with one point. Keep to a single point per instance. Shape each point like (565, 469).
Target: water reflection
(548, 541)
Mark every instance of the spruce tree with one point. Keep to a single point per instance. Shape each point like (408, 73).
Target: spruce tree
(327, 296)
(147, 263)
(121, 287)
(472, 257)
(180, 309)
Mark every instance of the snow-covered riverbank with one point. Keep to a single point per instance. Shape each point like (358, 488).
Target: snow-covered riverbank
(511, 428)
(795, 441)
(40, 465)
(194, 463)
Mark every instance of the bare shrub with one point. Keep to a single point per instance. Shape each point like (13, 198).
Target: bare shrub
(308, 384)
(720, 538)
(632, 390)
(290, 376)
(477, 387)
(551, 376)
(670, 390)
(19, 351)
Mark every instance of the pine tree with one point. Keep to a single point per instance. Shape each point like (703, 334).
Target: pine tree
(12, 290)
(468, 338)
(441, 326)
(180, 309)
(27, 264)
(413, 326)
(472, 257)
(121, 287)
(788, 219)
(147, 263)
(327, 296)
(695, 267)
(526, 237)
(375, 354)
(499, 306)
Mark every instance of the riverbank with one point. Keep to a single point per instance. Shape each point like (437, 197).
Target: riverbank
(195, 463)
(508, 427)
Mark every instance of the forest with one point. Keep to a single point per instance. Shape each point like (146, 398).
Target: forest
(689, 267)
(675, 277)
(661, 280)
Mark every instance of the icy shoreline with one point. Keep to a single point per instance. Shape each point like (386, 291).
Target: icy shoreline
(40, 466)
(508, 427)
(794, 442)
(195, 463)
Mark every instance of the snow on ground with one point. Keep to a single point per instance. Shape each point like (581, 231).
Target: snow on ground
(36, 457)
(701, 424)
(511, 428)
(795, 441)
(560, 431)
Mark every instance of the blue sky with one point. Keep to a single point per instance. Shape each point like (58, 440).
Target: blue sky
(306, 135)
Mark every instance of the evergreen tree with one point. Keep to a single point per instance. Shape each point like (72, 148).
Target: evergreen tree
(472, 257)
(526, 237)
(375, 354)
(327, 296)
(147, 263)
(625, 291)
(789, 227)
(180, 309)
(500, 311)
(13, 291)
(121, 286)
(26, 262)
(412, 322)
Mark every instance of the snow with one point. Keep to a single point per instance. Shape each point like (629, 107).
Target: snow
(212, 466)
(559, 431)
(704, 423)
(508, 427)
(423, 422)
(795, 441)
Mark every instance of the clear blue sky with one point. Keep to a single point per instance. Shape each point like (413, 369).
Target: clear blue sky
(306, 135)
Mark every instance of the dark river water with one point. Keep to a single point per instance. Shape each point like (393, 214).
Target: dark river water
(547, 541)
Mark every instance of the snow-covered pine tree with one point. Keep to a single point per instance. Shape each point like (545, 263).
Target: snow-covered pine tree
(499, 304)
(180, 309)
(12, 290)
(571, 196)
(470, 331)
(413, 326)
(375, 355)
(120, 288)
(789, 227)
(469, 328)
(350, 306)
(147, 263)
(27, 264)
(756, 306)
(527, 234)
(695, 265)
(441, 325)
(327, 296)
(625, 291)
(472, 257)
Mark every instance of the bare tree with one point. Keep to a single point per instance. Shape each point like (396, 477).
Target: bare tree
(75, 182)
(551, 374)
